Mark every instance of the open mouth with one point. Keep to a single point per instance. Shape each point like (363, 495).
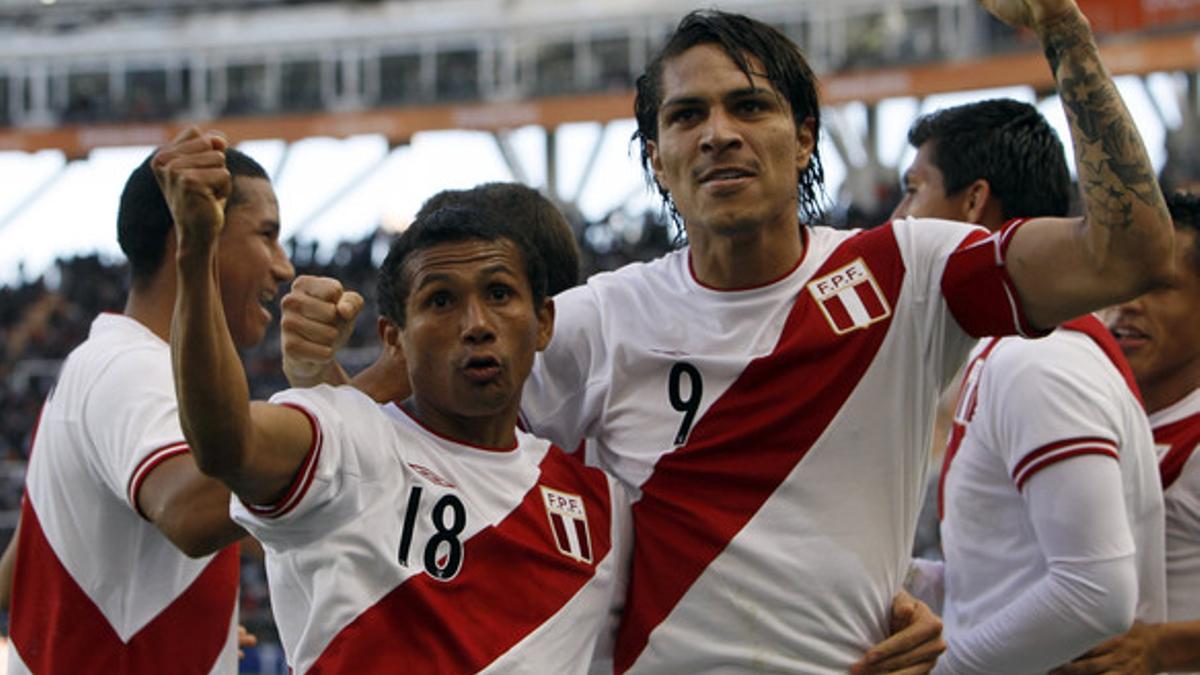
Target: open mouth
(482, 368)
(1128, 337)
(725, 175)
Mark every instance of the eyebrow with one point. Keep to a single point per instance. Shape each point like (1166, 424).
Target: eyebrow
(742, 92)
(435, 277)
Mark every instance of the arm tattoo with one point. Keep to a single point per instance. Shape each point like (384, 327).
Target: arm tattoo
(1112, 162)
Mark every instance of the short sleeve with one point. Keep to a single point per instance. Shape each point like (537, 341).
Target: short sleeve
(351, 443)
(132, 417)
(979, 291)
(1050, 401)
(563, 397)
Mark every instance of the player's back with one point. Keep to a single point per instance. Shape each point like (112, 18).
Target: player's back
(98, 588)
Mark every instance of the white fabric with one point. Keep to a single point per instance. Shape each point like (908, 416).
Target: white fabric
(334, 555)
(806, 584)
(112, 411)
(1183, 510)
(1047, 553)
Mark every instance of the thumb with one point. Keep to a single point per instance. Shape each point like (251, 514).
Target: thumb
(349, 305)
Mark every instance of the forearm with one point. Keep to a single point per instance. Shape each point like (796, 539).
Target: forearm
(1068, 612)
(214, 399)
(330, 373)
(1177, 646)
(1129, 231)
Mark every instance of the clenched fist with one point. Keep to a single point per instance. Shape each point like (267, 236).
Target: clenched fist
(192, 176)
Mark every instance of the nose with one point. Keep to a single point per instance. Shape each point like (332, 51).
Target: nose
(477, 327)
(281, 267)
(719, 132)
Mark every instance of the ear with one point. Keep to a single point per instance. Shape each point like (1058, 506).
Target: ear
(806, 135)
(389, 336)
(655, 161)
(545, 318)
(978, 202)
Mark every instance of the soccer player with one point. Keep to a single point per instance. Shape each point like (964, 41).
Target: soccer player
(429, 536)
(313, 340)
(1160, 334)
(1052, 515)
(768, 389)
(123, 562)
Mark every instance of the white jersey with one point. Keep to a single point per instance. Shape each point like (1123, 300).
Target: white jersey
(1177, 435)
(1035, 569)
(97, 587)
(777, 437)
(398, 550)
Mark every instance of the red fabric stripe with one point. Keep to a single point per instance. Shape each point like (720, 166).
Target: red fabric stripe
(148, 464)
(560, 531)
(969, 390)
(581, 533)
(304, 476)
(1037, 453)
(1091, 327)
(57, 628)
(1184, 437)
(978, 290)
(680, 528)
(462, 625)
(870, 300)
(838, 312)
(1048, 461)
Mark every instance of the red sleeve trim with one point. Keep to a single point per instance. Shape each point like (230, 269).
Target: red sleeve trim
(1052, 453)
(148, 464)
(304, 477)
(978, 289)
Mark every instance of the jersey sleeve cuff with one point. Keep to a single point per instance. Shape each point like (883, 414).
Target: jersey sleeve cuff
(304, 476)
(148, 464)
(978, 289)
(1053, 453)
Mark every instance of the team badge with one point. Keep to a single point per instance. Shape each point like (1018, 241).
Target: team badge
(850, 298)
(568, 523)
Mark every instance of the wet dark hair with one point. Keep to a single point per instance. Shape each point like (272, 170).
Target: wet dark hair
(1005, 142)
(741, 37)
(144, 220)
(525, 209)
(454, 221)
(1185, 212)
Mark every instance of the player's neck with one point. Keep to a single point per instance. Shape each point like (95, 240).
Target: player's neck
(1171, 388)
(493, 432)
(152, 305)
(745, 259)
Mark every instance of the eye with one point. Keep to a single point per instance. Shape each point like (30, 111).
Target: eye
(500, 293)
(683, 115)
(751, 106)
(438, 299)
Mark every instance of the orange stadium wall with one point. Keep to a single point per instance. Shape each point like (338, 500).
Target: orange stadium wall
(1114, 16)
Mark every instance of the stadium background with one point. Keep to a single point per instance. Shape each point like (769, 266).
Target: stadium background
(361, 109)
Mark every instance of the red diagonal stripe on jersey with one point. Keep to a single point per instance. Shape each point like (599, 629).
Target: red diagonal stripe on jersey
(779, 406)
(1183, 437)
(1091, 327)
(513, 580)
(56, 628)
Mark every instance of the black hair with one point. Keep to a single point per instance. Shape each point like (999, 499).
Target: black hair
(452, 222)
(144, 220)
(525, 209)
(741, 37)
(1185, 213)
(1005, 142)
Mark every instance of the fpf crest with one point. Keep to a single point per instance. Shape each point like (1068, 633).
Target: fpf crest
(850, 298)
(568, 523)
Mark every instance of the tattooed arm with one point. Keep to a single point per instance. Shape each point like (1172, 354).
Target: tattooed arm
(1122, 247)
